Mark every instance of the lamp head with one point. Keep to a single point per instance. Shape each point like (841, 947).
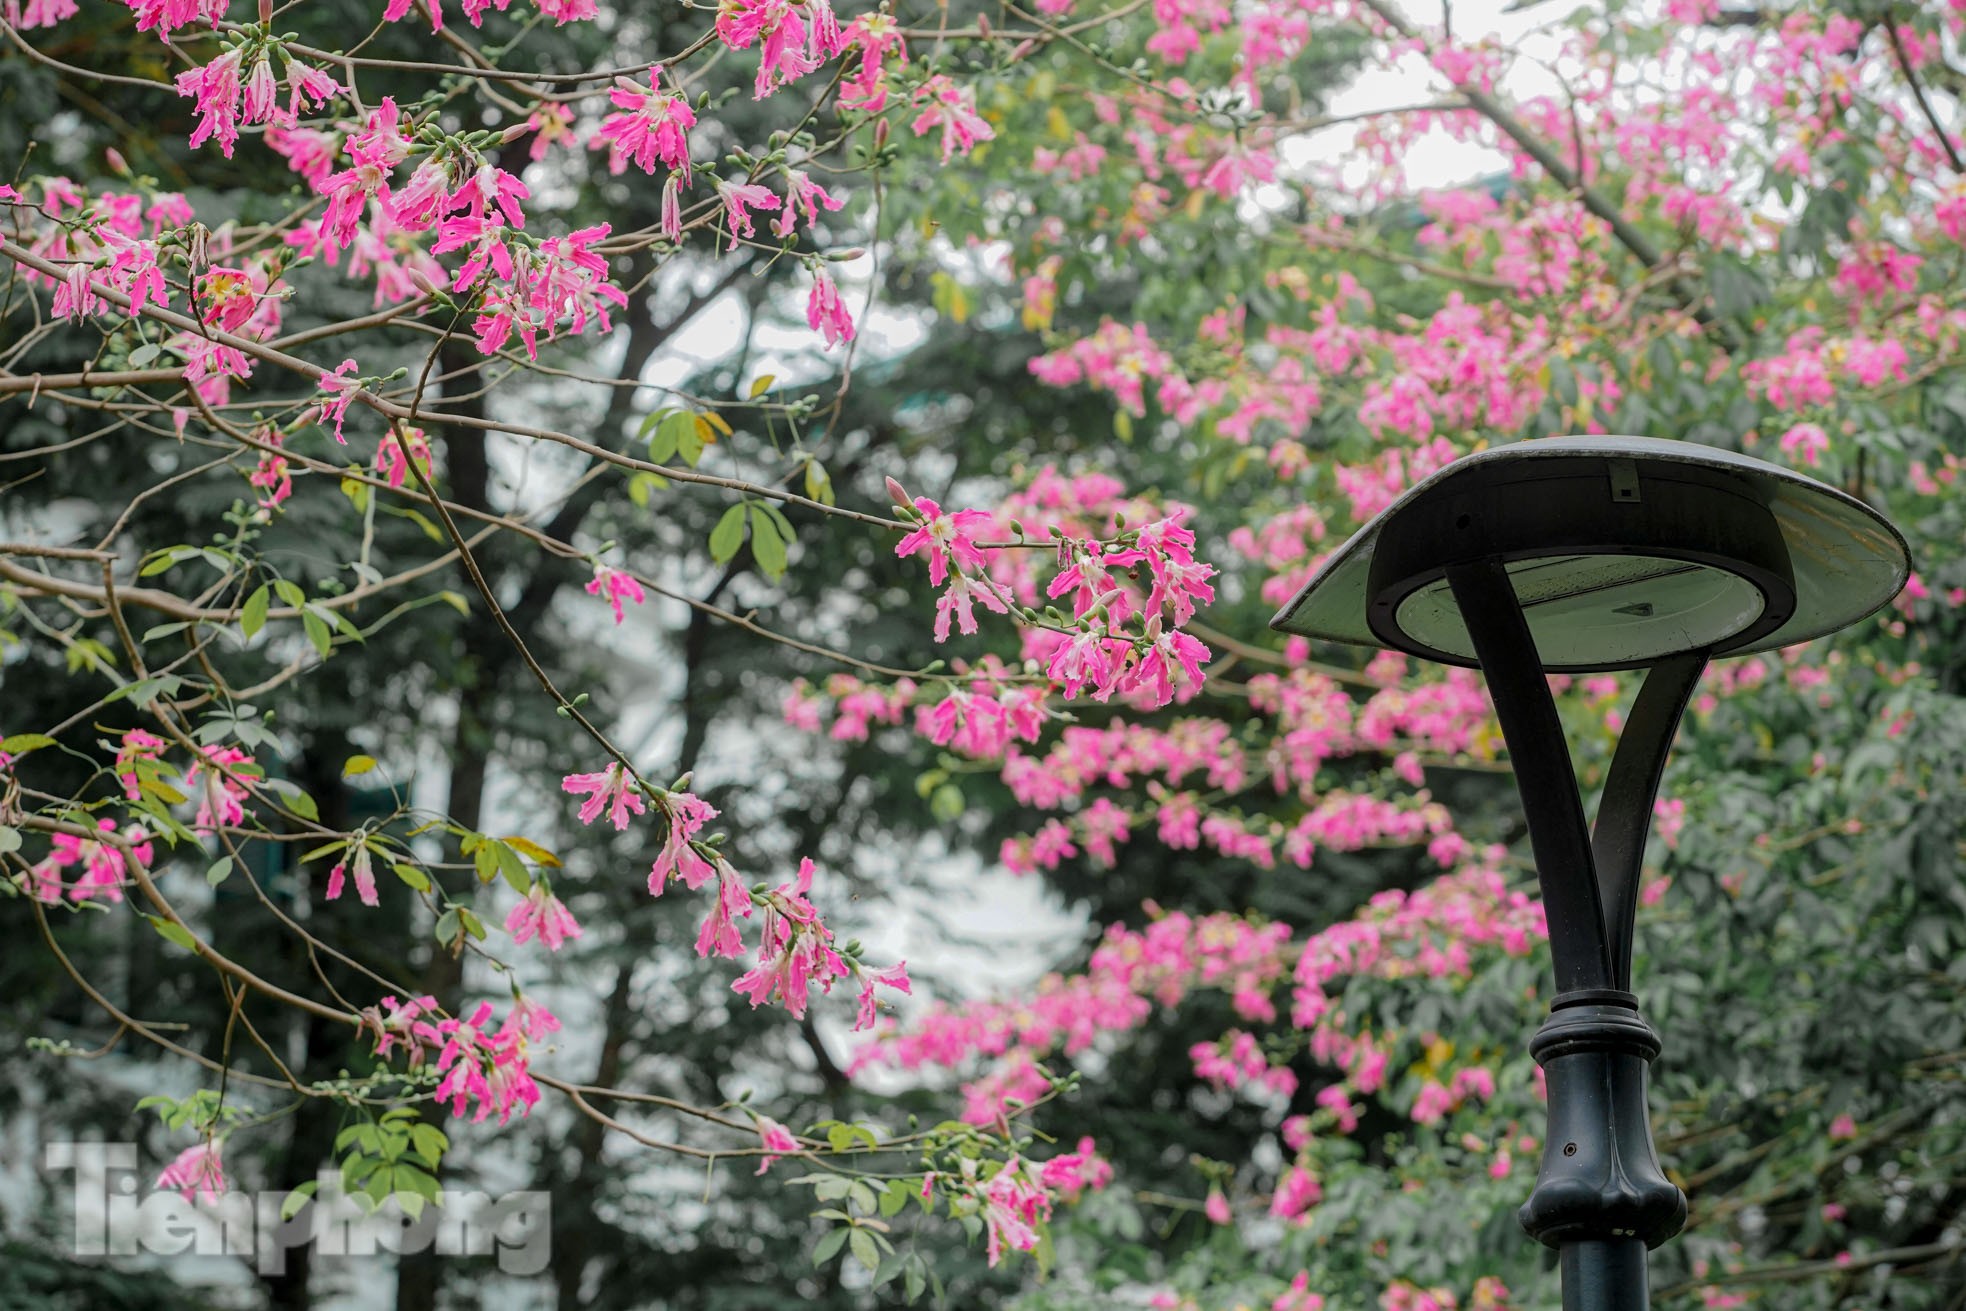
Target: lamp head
(1622, 551)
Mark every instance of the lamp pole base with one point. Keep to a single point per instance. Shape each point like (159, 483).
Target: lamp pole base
(1605, 1275)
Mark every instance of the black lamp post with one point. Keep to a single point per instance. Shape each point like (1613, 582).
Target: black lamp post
(1578, 554)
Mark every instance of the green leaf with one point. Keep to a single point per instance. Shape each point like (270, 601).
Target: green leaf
(864, 1250)
(253, 618)
(141, 357)
(446, 930)
(289, 592)
(643, 485)
(767, 546)
(357, 765)
(413, 876)
(512, 868)
(689, 440)
(220, 871)
(762, 384)
(531, 850)
(162, 630)
(317, 632)
(164, 559)
(298, 801)
(829, 1245)
(728, 535)
(9, 840)
(431, 1143)
(819, 483)
(22, 743)
(290, 1207)
(172, 931)
(669, 430)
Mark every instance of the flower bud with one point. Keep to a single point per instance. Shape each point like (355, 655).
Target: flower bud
(513, 133)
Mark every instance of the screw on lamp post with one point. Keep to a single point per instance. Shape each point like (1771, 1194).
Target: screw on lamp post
(1587, 554)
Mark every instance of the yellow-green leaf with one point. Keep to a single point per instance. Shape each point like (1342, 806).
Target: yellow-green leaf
(532, 850)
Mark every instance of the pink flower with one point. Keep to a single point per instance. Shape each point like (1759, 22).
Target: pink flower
(1013, 1206)
(137, 745)
(616, 586)
(788, 47)
(364, 876)
(827, 313)
(541, 915)
(490, 1069)
(802, 195)
(795, 950)
(718, 935)
(1216, 1208)
(950, 107)
(777, 1141)
(1842, 1128)
(104, 866)
(875, 34)
(895, 977)
(197, 1172)
(1172, 661)
(397, 451)
(305, 83)
(341, 391)
(166, 16)
(671, 219)
(956, 603)
(39, 13)
(1807, 438)
(687, 814)
(489, 188)
(551, 122)
(1090, 655)
(216, 89)
(739, 200)
(1297, 1192)
(650, 127)
(1076, 1172)
(1299, 1297)
(611, 789)
(945, 537)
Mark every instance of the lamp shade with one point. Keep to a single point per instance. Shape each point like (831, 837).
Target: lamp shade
(1622, 551)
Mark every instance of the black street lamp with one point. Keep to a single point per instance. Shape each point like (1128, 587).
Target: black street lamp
(1578, 554)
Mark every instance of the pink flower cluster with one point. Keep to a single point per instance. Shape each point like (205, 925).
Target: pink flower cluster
(197, 1172)
(102, 866)
(480, 1066)
(1236, 1060)
(795, 947)
(227, 93)
(792, 39)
